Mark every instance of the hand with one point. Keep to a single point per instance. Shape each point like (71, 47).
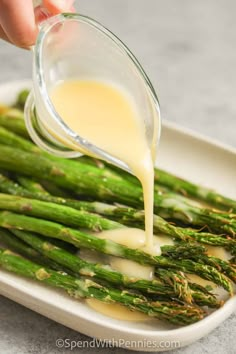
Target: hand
(18, 19)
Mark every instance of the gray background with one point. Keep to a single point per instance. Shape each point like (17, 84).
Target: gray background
(188, 49)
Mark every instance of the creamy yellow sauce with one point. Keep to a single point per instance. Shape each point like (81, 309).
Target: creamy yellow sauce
(218, 252)
(107, 117)
(198, 280)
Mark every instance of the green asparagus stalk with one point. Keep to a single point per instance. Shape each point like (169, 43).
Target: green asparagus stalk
(54, 190)
(166, 181)
(189, 189)
(178, 280)
(113, 170)
(86, 180)
(21, 99)
(80, 288)
(14, 133)
(130, 216)
(124, 215)
(16, 245)
(60, 213)
(13, 120)
(11, 187)
(11, 139)
(80, 239)
(223, 266)
(31, 185)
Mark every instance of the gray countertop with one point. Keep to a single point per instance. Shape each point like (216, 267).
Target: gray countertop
(188, 50)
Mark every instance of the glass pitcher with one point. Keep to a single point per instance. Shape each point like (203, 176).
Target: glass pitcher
(72, 46)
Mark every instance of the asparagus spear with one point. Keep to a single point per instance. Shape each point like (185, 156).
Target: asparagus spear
(89, 181)
(31, 185)
(12, 119)
(80, 239)
(187, 188)
(113, 170)
(11, 187)
(17, 245)
(13, 133)
(12, 242)
(21, 99)
(130, 216)
(175, 279)
(166, 181)
(178, 280)
(54, 190)
(221, 265)
(80, 288)
(64, 214)
(11, 139)
(16, 134)
(124, 215)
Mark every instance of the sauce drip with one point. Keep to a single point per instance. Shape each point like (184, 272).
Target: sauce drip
(107, 117)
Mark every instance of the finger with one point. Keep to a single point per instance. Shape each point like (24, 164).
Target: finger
(58, 6)
(18, 21)
(3, 35)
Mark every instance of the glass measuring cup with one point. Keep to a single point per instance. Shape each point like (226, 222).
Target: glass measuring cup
(72, 46)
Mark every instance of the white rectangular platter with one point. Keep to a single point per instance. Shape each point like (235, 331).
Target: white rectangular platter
(182, 152)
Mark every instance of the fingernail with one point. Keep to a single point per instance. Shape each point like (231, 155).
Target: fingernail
(41, 14)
